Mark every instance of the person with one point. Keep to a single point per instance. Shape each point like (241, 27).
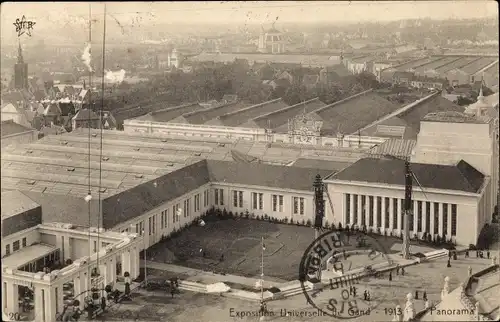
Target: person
(455, 255)
(403, 271)
(397, 270)
(466, 254)
(365, 295)
(354, 291)
(488, 254)
(424, 297)
(449, 263)
(416, 294)
(390, 276)
(172, 291)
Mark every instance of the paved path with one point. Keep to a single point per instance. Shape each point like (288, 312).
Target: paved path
(200, 274)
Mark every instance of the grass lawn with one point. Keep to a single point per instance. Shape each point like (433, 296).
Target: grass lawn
(239, 240)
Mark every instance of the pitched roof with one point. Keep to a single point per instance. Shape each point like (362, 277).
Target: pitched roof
(460, 177)
(436, 103)
(241, 116)
(333, 166)
(9, 127)
(395, 147)
(52, 109)
(280, 117)
(147, 196)
(338, 70)
(85, 114)
(354, 113)
(265, 175)
(15, 202)
(170, 113)
(205, 115)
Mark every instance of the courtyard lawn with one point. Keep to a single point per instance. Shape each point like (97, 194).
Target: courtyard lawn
(238, 240)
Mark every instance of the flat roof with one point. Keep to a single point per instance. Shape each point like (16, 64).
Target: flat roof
(452, 117)
(26, 255)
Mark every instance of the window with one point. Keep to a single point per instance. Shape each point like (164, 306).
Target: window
(240, 198)
(277, 201)
(387, 212)
(150, 221)
(7, 249)
(219, 197)
(298, 205)
(205, 198)
(419, 216)
(445, 219)
(363, 210)
(436, 218)
(257, 200)
(453, 220)
(394, 213)
(162, 219)
(347, 208)
(186, 208)
(95, 246)
(428, 217)
(197, 203)
(24, 242)
(355, 202)
(15, 246)
(235, 198)
(154, 224)
(175, 213)
(379, 211)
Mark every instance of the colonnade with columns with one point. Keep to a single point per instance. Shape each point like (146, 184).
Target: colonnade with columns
(387, 214)
(49, 288)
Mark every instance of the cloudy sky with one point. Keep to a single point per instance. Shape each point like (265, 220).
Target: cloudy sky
(251, 12)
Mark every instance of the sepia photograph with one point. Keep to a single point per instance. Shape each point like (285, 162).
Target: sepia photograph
(226, 161)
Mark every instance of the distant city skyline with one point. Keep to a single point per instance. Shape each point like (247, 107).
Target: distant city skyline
(251, 12)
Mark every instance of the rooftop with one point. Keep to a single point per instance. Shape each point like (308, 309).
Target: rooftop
(353, 113)
(280, 117)
(452, 117)
(27, 254)
(333, 166)
(305, 60)
(10, 127)
(15, 202)
(459, 177)
(167, 114)
(241, 116)
(205, 115)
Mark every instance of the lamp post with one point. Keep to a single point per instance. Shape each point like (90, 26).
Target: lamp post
(262, 272)
(319, 210)
(145, 259)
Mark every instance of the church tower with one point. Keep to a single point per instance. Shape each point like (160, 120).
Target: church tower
(20, 71)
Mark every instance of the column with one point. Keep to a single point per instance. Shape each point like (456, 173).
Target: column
(125, 262)
(60, 298)
(12, 299)
(416, 214)
(440, 227)
(133, 268)
(360, 211)
(138, 260)
(103, 271)
(68, 252)
(351, 208)
(391, 213)
(109, 271)
(80, 288)
(424, 216)
(433, 222)
(40, 305)
(375, 212)
(449, 221)
(369, 208)
(384, 210)
(50, 303)
(398, 217)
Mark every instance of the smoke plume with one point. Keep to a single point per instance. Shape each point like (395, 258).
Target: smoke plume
(86, 57)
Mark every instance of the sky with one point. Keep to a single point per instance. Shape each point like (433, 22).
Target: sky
(249, 12)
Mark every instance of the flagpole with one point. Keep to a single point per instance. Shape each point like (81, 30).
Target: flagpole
(262, 273)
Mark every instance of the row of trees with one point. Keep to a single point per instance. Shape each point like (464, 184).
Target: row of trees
(213, 82)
